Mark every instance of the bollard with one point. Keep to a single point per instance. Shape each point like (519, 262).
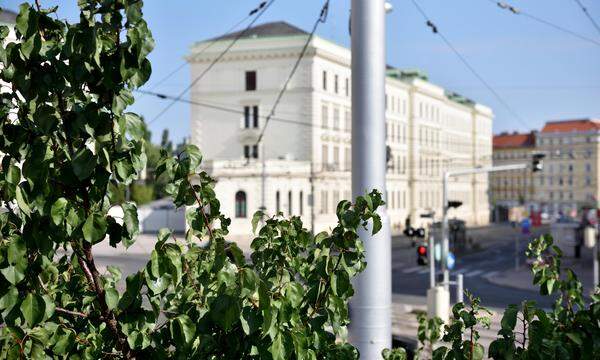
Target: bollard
(431, 251)
(459, 288)
(517, 252)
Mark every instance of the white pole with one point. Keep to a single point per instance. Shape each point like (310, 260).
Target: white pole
(460, 288)
(596, 265)
(431, 257)
(370, 308)
(445, 241)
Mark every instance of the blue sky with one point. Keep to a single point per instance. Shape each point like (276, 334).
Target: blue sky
(543, 74)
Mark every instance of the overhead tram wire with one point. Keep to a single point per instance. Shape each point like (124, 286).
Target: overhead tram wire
(273, 118)
(322, 18)
(261, 10)
(436, 31)
(588, 15)
(208, 46)
(516, 11)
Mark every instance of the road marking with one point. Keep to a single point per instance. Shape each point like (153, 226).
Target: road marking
(490, 274)
(423, 271)
(412, 269)
(473, 273)
(462, 271)
(397, 265)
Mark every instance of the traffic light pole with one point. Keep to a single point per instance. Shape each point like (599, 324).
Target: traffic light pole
(446, 207)
(370, 307)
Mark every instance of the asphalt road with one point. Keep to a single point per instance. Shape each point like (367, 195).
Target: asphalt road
(412, 281)
(496, 256)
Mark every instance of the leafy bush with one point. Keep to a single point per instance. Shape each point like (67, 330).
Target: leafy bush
(141, 194)
(68, 146)
(571, 330)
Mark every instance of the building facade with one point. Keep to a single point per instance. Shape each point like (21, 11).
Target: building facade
(569, 181)
(302, 165)
(509, 189)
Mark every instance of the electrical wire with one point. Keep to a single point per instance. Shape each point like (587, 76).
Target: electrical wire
(436, 31)
(321, 19)
(208, 46)
(516, 11)
(259, 13)
(285, 120)
(588, 15)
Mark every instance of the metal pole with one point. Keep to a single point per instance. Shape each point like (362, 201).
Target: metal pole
(445, 241)
(370, 308)
(263, 179)
(312, 198)
(596, 265)
(431, 257)
(517, 251)
(460, 288)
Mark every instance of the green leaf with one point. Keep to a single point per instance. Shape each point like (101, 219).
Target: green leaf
(83, 164)
(575, 337)
(112, 298)
(131, 222)
(277, 348)
(9, 300)
(182, 329)
(14, 274)
(509, 320)
(13, 175)
(33, 309)
(22, 201)
(64, 340)
(94, 228)
(376, 224)
(134, 125)
(256, 219)
(59, 210)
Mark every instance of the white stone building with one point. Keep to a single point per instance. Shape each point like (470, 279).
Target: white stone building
(306, 147)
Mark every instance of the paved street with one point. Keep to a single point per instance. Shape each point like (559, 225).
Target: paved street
(488, 273)
(478, 269)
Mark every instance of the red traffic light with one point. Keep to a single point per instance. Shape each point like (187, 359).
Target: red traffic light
(422, 250)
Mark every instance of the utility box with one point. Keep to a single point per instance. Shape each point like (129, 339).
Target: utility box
(590, 236)
(438, 303)
(564, 237)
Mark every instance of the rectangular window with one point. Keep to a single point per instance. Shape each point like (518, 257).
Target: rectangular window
(335, 84)
(250, 80)
(348, 158)
(336, 156)
(324, 155)
(247, 151)
(336, 118)
(255, 151)
(324, 80)
(325, 115)
(323, 202)
(301, 203)
(255, 117)
(347, 87)
(348, 120)
(246, 117)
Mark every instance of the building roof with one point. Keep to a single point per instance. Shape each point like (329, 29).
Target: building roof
(7, 16)
(514, 140)
(566, 126)
(270, 29)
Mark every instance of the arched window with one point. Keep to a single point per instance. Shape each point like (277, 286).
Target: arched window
(240, 204)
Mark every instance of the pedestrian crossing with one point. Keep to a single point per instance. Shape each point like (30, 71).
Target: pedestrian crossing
(467, 272)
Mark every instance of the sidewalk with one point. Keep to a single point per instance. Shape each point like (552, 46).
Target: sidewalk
(522, 278)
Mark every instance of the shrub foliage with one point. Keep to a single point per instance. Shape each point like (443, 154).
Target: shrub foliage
(68, 144)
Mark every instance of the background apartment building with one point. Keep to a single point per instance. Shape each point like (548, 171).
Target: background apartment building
(569, 181)
(509, 189)
(306, 150)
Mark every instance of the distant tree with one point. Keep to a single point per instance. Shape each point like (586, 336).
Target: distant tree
(165, 143)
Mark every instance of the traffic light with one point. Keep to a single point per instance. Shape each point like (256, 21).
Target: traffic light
(410, 232)
(420, 233)
(422, 255)
(538, 162)
(454, 204)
